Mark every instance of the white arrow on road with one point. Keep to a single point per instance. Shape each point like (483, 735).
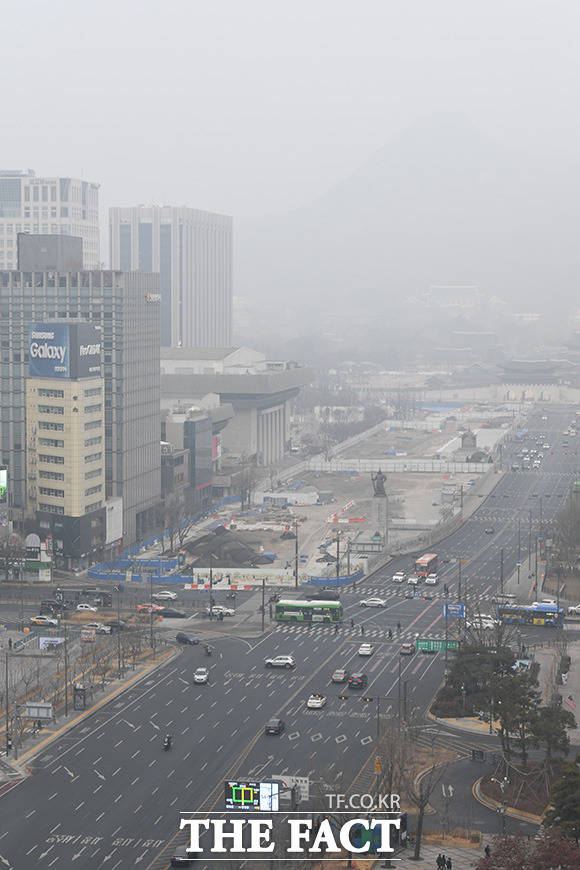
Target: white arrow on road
(154, 725)
(100, 775)
(450, 790)
(140, 858)
(4, 861)
(130, 724)
(78, 854)
(108, 857)
(70, 773)
(443, 790)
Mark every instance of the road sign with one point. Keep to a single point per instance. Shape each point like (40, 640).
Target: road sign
(453, 611)
(435, 645)
(300, 783)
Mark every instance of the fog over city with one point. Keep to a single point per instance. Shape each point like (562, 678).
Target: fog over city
(364, 153)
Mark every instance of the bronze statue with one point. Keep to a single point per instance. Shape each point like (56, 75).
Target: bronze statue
(378, 481)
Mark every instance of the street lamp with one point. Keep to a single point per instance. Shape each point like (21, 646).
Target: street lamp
(118, 589)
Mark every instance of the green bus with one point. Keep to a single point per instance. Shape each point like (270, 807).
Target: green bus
(308, 611)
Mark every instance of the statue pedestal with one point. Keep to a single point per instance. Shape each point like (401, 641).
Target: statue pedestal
(379, 517)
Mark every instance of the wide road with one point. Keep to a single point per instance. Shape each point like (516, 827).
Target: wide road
(106, 795)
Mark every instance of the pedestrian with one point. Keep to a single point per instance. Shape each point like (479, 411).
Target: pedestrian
(399, 627)
(390, 634)
(443, 861)
(362, 629)
(438, 861)
(448, 864)
(487, 851)
(336, 628)
(9, 643)
(352, 623)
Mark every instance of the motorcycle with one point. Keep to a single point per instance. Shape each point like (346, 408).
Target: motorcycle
(167, 744)
(208, 650)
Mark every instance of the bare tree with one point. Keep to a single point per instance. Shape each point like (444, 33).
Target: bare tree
(419, 785)
(12, 552)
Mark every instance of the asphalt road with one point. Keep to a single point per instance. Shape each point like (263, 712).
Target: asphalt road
(106, 795)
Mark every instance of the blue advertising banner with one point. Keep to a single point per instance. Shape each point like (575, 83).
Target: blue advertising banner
(48, 350)
(453, 611)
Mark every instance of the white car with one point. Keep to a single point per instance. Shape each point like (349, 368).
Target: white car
(366, 649)
(574, 610)
(99, 627)
(44, 620)
(219, 608)
(431, 579)
(399, 577)
(201, 676)
(373, 602)
(280, 662)
(413, 580)
(164, 595)
(316, 702)
(86, 607)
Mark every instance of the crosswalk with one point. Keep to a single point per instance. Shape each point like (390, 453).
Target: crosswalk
(436, 595)
(345, 631)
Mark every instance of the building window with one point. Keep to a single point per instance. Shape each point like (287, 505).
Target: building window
(54, 493)
(93, 457)
(50, 442)
(93, 507)
(94, 473)
(51, 475)
(93, 424)
(92, 409)
(93, 489)
(52, 460)
(90, 442)
(51, 409)
(51, 394)
(55, 427)
(94, 391)
(51, 508)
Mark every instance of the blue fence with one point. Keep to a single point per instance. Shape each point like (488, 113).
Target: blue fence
(128, 560)
(337, 581)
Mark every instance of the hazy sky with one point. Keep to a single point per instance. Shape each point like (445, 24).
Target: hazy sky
(252, 106)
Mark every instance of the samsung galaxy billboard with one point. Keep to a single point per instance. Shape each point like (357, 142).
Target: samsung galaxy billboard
(64, 350)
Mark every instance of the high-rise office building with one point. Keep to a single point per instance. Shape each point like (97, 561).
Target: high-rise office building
(192, 251)
(126, 309)
(63, 206)
(65, 439)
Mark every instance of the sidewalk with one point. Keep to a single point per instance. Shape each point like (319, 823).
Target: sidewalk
(462, 857)
(570, 692)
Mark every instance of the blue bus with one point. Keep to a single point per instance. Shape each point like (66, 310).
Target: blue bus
(531, 614)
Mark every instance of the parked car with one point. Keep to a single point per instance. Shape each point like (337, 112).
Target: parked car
(274, 726)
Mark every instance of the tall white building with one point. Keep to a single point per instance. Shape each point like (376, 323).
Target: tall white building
(30, 204)
(192, 251)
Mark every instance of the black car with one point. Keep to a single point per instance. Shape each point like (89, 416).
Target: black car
(117, 625)
(274, 726)
(357, 681)
(329, 595)
(181, 858)
(182, 637)
(490, 530)
(171, 613)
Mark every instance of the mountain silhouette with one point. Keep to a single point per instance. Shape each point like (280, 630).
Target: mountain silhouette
(443, 203)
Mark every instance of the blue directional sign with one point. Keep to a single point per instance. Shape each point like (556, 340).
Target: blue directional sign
(453, 611)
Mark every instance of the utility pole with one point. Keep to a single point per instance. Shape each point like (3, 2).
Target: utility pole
(211, 585)
(7, 704)
(519, 547)
(65, 671)
(399, 695)
(337, 553)
(151, 632)
(446, 636)
(296, 554)
(263, 601)
(117, 589)
(501, 571)
(536, 567)
(461, 491)
(348, 557)
(459, 590)
(530, 543)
